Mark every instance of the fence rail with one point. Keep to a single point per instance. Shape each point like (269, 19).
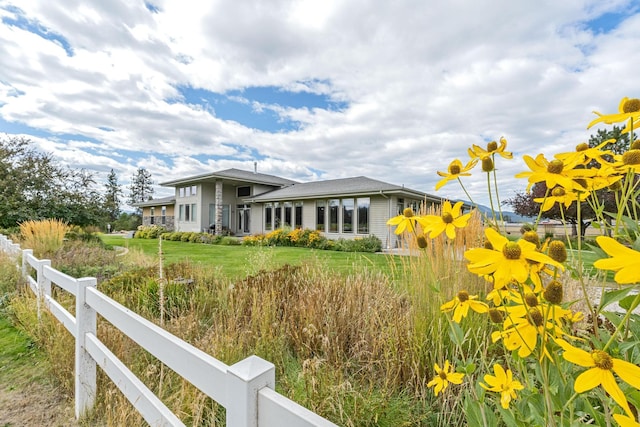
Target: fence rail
(245, 389)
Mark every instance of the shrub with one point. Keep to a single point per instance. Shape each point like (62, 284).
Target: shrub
(45, 237)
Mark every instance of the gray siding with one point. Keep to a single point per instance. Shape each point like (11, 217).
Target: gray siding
(380, 211)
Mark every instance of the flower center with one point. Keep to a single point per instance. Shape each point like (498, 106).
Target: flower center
(535, 317)
(488, 245)
(635, 145)
(463, 296)
(447, 218)
(408, 212)
(553, 292)
(555, 166)
(422, 242)
(495, 315)
(442, 375)
(492, 146)
(531, 299)
(511, 250)
(631, 157)
(631, 105)
(487, 164)
(602, 360)
(454, 169)
(558, 192)
(558, 251)
(583, 146)
(532, 236)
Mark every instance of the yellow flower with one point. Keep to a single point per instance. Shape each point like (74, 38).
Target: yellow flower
(507, 260)
(492, 148)
(584, 154)
(554, 172)
(521, 333)
(502, 382)
(447, 222)
(561, 196)
(455, 171)
(628, 109)
(461, 305)
(601, 368)
(407, 219)
(625, 421)
(624, 261)
(443, 377)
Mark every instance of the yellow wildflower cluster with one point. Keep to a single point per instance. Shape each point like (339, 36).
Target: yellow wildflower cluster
(525, 298)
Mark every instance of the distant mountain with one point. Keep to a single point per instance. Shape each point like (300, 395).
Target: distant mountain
(508, 216)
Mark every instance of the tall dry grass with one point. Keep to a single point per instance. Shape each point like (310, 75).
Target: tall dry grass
(357, 349)
(45, 236)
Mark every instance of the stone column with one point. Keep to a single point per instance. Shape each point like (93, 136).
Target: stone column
(218, 207)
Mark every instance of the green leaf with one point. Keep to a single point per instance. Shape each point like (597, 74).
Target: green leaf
(456, 334)
(473, 413)
(610, 297)
(627, 302)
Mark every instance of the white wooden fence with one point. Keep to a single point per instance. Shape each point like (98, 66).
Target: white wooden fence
(245, 389)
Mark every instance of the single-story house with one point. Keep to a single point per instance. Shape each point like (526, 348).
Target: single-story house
(242, 202)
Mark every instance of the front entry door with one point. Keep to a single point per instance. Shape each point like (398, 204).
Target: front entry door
(244, 217)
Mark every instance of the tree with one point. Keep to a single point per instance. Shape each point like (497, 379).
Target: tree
(35, 186)
(112, 197)
(523, 202)
(141, 188)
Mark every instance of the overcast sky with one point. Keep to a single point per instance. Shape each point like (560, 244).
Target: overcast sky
(312, 89)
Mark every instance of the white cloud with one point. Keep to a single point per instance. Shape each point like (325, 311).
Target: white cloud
(423, 81)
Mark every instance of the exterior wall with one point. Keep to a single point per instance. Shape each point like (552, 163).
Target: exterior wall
(157, 219)
(257, 218)
(309, 214)
(189, 200)
(382, 208)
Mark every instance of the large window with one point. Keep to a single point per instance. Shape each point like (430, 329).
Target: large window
(298, 214)
(334, 205)
(321, 215)
(181, 213)
(152, 219)
(288, 212)
(277, 215)
(363, 215)
(347, 215)
(164, 215)
(268, 216)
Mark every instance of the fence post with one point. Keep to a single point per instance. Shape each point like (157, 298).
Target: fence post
(43, 285)
(246, 378)
(85, 366)
(25, 264)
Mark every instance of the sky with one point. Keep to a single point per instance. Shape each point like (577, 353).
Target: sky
(310, 89)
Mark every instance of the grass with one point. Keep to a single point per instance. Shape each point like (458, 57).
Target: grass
(238, 261)
(19, 357)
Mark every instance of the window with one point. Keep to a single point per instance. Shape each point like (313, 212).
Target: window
(400, 206)
(287, 214)
(334, 204)
(164, 215)
(194, 210)
(181, 213)
(181, 192)
(194, 190)
(277, 215)
(347, 215)
(298, 214)
(244, 191)
(151, 215)
(187, 213)
(320, 215)
(268, 216)
(363, 215)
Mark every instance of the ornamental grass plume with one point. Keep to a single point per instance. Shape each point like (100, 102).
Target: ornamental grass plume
(45, 237)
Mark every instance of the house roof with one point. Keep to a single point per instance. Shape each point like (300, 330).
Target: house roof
(360, 185)
(162, 201)
(231, 175)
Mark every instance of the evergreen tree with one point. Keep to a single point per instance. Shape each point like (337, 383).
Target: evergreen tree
(141, 188)
(112, 197)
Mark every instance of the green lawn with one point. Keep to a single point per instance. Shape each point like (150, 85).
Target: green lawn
(235, 261)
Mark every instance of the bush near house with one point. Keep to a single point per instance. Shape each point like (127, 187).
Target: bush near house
(306, 238)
